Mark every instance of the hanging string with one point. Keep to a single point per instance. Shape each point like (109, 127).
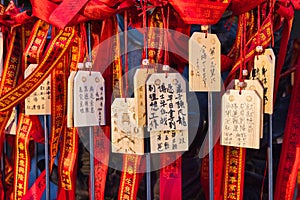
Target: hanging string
(243, 53)
(89, 48)
(244, 41)
(258, 25)
(144, 12)
(125, 53)
(272, 6)
(166, 29)
(84, 39)
(165, 36)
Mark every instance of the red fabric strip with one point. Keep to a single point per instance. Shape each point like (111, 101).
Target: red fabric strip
(265, 38)
(22, 157)
(108, 50)
(9, 79)
(65, 12)
(218, 171)
(130, 178)
(68, 165)
(37, 189)
(13, 17)
(204, 178)
(58, 107)
(203, 12)
(234, 173)
(35, 45)
(101, 160)
(68, 159)
(288, 13)
(239, 7)
(170, 176)
(58, 47)
(290, 153)
(72, 12)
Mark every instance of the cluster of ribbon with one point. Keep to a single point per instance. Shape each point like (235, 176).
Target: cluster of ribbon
(26, 41)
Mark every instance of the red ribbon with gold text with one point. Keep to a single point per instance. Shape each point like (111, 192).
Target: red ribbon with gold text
(67, 165)
(205, 12)
(56, 49)
(72, 12)
(22, 158)
(25, 129)
(9, 170)
(232, 154)
(266, 35)
(54, 53)
(130, 178)
(108, 50)
(36, 42)
(24, 132)
(9, 79)
(11, 69)
(67, 161)
(234, 173)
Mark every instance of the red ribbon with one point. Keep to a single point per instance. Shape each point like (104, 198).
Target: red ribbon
(130, 177)
(170, 176)
(13, 16)
(8, 81)
(296, 4)
(56, 46)
(68, 165)
(290, 153)
(239, 7)
(108, 50)
(287, 12)
(22, 157)
(101, 160)
(72, 12)
(203, 12)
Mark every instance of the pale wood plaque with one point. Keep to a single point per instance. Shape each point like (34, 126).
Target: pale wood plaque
(89, 99)
(204, 62)
(167, 107)
(39, 101)
(139, 81)
(241, 118)
(264, 70)
(127, 137)
(251, 85)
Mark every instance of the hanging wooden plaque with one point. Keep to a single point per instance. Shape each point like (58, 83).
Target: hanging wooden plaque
(127, 137)
(251, 85)
(139, 81)
(264, 70)
(167, 107)
(38, 102)
(241, 118)
(204, 62)
(70, 100)
(169, 141)
(89, 99)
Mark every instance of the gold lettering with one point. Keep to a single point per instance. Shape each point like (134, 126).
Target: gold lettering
(21, 170)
